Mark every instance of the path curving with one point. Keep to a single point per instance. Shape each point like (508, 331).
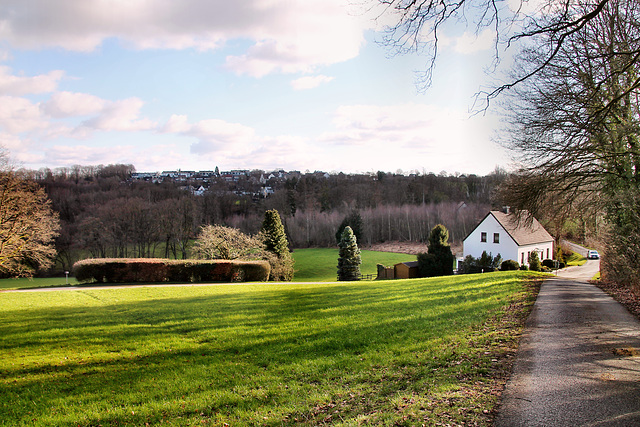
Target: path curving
(579, 359)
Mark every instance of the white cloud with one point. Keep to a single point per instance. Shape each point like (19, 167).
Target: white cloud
(59, 155)
(310, 82)
(305, 35)
(414, 136)
(289, 36)
(68, 104)
(213, 135)
(18, 115)
(122, 115)
(11, 142)
(20, 85)
(469, 43)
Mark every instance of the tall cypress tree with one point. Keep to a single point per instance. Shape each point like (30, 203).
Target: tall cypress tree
(275, 238)
(349, 257)
(276, 247)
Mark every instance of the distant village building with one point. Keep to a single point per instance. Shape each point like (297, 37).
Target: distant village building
(503, 233)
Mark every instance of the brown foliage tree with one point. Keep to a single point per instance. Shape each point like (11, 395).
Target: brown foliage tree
(28, 226)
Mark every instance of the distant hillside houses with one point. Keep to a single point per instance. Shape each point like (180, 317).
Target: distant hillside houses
(256, 184)
(234, 175)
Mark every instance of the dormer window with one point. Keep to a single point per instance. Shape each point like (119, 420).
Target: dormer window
(483, 237)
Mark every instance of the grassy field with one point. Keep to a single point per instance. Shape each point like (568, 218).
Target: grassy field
(312, 265)
(379, 353)
(322, 264)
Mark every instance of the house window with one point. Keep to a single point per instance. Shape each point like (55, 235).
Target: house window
(522, 259)
(548, 253)
(496, 237)
(483, 237)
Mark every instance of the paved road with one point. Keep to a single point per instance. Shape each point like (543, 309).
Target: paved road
(579, 359)
(575, 248)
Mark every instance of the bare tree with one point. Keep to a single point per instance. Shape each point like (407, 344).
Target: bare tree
(576, 126)
(418, 25)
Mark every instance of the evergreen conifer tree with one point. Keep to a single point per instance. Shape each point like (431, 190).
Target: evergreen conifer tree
(275, 238)
(353, 220)
(438, 261)
(276, 247)
(349, 257)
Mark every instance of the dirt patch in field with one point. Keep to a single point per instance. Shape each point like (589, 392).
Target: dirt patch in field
(411, 248)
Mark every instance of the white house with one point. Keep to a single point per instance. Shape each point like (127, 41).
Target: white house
(502, 233)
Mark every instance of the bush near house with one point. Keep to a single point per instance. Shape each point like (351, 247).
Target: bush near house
(485, 264)
(509, 265)
(550, 263)
(132, 270)
(534, 262)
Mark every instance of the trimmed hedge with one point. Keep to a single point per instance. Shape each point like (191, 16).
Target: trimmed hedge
(133, 270)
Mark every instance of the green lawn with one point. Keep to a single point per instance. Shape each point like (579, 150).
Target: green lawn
(401, 352)
(35, 283)
(576, 259)
(321, 265)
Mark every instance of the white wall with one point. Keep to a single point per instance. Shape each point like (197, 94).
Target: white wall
(507, 248)
(524, 251)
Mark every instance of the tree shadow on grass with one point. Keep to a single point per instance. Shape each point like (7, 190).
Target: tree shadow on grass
(140, 361)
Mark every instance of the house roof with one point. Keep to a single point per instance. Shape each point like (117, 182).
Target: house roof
(522, 232)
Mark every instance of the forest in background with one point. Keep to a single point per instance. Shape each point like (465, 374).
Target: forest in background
(105, 213)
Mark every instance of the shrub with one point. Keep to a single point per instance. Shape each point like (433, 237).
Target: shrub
(486, 263)
(281, 267)
(509, 265)
(551, 264)
(566, 255)
(534, 261)
(153, 270)
(524, 267)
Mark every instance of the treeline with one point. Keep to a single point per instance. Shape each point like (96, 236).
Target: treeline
(382, 223)
(104, 213)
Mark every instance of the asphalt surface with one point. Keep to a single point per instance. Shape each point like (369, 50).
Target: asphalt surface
(579, 359)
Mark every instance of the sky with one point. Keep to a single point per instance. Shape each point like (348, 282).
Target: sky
(251, 84)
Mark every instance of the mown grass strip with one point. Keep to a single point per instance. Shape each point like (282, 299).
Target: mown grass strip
(381, 353)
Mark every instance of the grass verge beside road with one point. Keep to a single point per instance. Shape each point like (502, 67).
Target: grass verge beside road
(401, 352)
